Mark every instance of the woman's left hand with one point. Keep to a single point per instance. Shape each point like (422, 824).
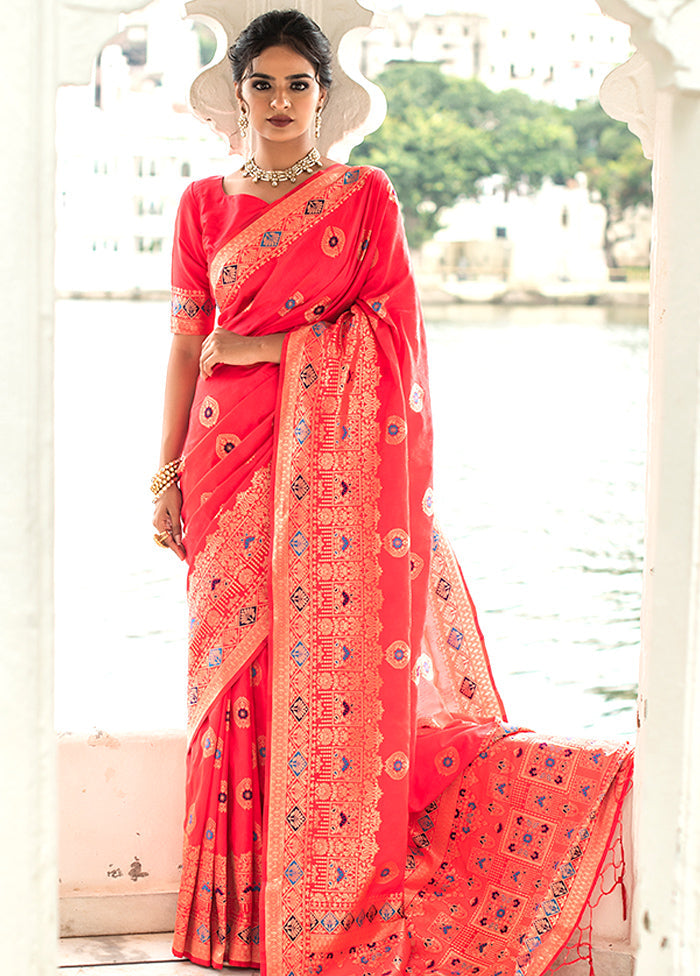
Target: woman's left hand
(230, 349)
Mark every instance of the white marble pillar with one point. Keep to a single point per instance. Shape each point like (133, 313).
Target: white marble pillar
(33, 63)
(661, 101)
(668, 789)
(27, 766)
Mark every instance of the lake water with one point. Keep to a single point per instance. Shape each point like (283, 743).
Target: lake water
(540, 453)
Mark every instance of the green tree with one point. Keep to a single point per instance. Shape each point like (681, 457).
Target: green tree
(612, 159)
(443, 135)
(529, 148)
(432, 155)
(433, 160)
(207, 42)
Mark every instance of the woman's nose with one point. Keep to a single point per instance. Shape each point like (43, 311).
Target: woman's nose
(280, 99)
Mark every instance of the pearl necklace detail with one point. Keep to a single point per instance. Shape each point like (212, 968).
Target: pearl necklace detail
(275, 176)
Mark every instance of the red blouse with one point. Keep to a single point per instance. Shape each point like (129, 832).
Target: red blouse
(207, 218)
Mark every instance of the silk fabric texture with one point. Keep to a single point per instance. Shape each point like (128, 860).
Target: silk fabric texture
(356, 801)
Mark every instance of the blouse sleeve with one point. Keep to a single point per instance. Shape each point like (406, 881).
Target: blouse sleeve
(192, 306)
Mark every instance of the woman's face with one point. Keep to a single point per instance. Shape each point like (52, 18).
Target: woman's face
(281, 94)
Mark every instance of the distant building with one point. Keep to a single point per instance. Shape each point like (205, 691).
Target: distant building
(557, 59)
(548, 238)
(128, 146)
(456, 41)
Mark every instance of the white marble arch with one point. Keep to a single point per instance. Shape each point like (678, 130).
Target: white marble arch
(54, 41)
(355, 106)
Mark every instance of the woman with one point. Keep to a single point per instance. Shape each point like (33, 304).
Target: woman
(355, 800)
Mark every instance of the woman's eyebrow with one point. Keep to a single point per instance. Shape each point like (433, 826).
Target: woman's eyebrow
(259, 74)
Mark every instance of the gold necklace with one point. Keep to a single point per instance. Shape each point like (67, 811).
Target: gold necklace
(275, 176)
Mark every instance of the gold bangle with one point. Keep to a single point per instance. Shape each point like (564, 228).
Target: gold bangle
(164, 488)
(166, 476)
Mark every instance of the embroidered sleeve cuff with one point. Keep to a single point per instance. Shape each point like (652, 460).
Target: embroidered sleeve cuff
(192, 312)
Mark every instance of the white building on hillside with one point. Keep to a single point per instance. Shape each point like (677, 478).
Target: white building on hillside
(455, 40)
(120, 175)
(534, 241)
(534, 49)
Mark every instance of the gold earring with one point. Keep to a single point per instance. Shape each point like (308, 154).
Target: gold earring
(243, 122)
(317, 123)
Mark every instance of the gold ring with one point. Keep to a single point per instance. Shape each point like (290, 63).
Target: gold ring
(159, 539)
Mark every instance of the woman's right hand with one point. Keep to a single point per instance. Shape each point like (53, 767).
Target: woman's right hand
(166, 519)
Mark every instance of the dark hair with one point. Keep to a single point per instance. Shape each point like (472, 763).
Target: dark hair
(288, 28)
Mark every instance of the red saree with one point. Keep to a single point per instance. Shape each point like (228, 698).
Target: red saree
(356, 802)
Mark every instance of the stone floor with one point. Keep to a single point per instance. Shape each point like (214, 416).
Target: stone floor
(125, 955)
(149, 955)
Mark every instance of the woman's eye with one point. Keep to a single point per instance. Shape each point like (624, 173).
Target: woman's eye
(299, 85)
(261, 85)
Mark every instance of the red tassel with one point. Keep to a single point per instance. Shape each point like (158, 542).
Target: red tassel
(624, 900)
(623, 869)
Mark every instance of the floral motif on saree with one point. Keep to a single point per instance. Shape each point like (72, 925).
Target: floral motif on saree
(405, 827)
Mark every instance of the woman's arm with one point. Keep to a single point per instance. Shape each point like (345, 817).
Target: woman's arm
(180, 381)
(181, 378)
(191, 355)
(231, 349)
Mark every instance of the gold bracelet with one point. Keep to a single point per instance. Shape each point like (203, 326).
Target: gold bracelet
(163, 490)
(165, 477)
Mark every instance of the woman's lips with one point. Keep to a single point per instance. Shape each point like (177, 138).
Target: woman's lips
(280, 122)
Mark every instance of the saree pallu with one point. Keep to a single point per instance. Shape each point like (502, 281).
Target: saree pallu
(356, 802)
